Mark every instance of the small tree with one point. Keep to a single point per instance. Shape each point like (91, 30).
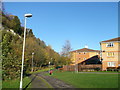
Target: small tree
(66, 51)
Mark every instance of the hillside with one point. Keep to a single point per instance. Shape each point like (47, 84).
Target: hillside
(12, 42)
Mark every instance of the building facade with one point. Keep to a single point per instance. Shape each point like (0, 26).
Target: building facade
(110, 53)
(83, 54)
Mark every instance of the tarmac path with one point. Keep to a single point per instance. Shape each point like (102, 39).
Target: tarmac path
(39, 80)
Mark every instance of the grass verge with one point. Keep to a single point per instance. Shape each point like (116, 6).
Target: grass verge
(16, 83)
(42, 70)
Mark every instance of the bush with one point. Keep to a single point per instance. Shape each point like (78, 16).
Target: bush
(97, 69)
(112, 69)
(57, 67)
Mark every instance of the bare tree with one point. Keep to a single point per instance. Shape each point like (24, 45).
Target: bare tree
(66, 49)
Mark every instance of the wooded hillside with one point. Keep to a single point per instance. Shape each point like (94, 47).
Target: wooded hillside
(12, 42)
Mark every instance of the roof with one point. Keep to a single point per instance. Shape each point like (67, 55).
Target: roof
(85, 50)
(111, 40)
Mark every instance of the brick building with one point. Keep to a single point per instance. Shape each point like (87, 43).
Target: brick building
(110, 53)
(83, 54)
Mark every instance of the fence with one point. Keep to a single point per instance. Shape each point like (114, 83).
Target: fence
(69, 67)
(93, 67)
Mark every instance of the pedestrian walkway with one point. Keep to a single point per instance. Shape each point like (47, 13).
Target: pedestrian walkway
(56, 83)
(39, 80)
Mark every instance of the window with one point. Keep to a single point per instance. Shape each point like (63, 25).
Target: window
(111, 64)
(110, 54)
(84, 52)
(109, 45)
(79, 53)
(79, 58)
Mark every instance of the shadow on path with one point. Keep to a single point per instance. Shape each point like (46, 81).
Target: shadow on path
(30, 82)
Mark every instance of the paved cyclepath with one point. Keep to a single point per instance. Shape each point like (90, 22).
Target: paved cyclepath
(39, 80)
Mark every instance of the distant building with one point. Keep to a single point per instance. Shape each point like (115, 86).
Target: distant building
(110, 53)
(83, 54)
(12, 31)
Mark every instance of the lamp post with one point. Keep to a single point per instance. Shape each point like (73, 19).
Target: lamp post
(32, 61)
(49, 64)
(26, 15)
(76, 65)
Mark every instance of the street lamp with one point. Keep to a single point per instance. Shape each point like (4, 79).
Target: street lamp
(49, 64)
(26, 15)
(76, 65)
(32, 61)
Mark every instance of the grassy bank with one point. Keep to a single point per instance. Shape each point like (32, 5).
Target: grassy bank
(16, 83)
(88, 80)
(42, 70)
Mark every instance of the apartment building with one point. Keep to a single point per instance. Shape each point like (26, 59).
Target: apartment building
(110, 53)
(83, 54)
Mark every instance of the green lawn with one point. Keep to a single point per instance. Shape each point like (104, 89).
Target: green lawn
(16, 83)
(88, 80)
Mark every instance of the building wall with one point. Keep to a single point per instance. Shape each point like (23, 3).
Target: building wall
(78, 57)
(81, 56)
(115, 58)
(91, 54)
(73, 54)
(105, 65)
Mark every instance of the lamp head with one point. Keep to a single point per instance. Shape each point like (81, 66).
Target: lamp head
(28, 15)
(49, 62)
